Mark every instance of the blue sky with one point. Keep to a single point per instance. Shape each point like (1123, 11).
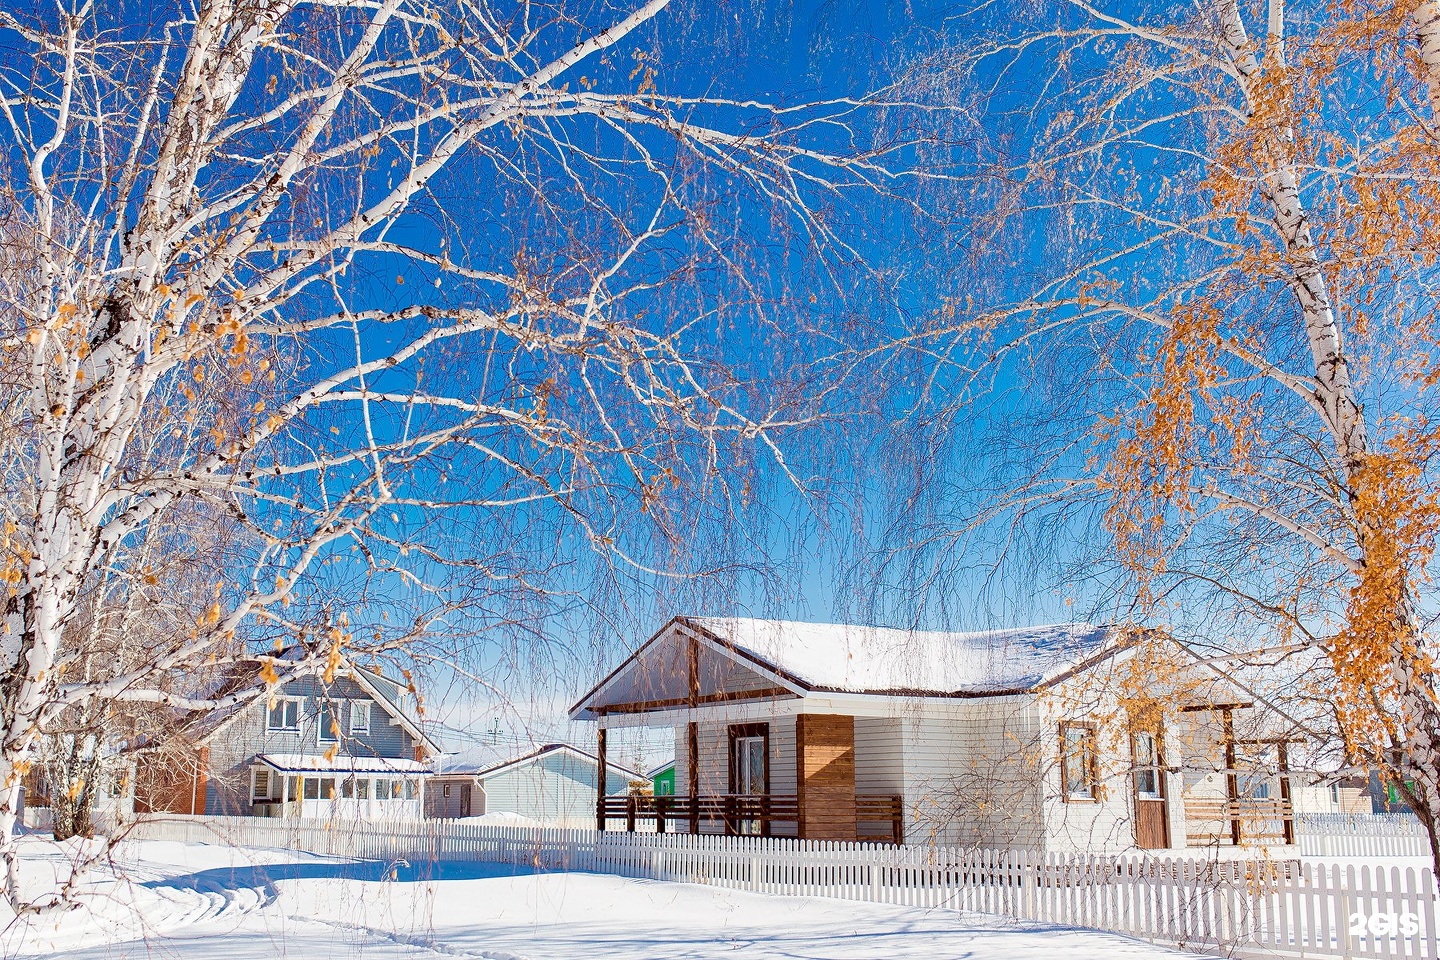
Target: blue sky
(775, 550)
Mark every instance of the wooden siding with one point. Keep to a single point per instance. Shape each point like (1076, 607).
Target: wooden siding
(825, 765)
(172, 781)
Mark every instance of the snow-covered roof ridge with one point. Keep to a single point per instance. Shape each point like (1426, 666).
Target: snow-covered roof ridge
(855, 658)
(306, 763)
(478, 764)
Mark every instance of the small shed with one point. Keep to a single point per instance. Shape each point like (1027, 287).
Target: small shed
(554, 784)
(662, 780)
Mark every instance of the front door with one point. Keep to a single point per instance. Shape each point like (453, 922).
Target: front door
(1152, 812)
(749, 777)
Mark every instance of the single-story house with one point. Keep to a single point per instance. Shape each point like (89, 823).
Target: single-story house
(1067, 737)
(554, 784)
(352, 747)
(1333, 794)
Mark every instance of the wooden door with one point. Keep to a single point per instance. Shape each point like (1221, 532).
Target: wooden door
(1152, 806)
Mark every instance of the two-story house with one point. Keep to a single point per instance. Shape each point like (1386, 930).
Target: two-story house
(351, 748)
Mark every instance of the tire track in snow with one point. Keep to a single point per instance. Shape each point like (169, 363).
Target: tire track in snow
(420, 942)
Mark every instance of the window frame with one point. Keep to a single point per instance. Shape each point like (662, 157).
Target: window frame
(282, 703)
(368, 708)
(1155, 767)
(255, 795)
(327, 733)
(1089, 736)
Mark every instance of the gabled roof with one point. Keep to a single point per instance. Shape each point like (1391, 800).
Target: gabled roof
(446, 766)
(204, 726)
(800, 658)
(380, 688)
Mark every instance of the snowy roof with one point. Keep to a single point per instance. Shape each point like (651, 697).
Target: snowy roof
(313, 763)
(861, 659)
(735, 656)
(475, 758)
(465, 763)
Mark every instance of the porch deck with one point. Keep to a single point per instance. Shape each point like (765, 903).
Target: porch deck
(877, 818)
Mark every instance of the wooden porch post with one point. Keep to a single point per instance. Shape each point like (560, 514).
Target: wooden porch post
(1287, 811)
(1232, 779)
(600, 783)
(692, 734)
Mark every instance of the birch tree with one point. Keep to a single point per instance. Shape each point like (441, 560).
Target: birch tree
(1230, 343)
(402, 291)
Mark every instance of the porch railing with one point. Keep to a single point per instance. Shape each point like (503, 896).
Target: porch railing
(1232, 822)
(877, 817)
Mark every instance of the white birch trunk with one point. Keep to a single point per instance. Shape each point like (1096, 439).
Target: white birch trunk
(1427, 35)
(1419, 716)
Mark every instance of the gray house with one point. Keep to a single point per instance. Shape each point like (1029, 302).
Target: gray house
(554, 785)
(351, 748)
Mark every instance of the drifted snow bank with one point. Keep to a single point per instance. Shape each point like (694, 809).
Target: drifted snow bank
(200, 902)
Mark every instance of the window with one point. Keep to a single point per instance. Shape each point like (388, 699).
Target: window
(260, 789)
(1146, 751)
(347, 788)
(749, 773)
(362, 788)
(312, 788)
(397, 789)
(412, 789)
(1255, 785)
(284, 714)
(1335, 794)
(327, 788)
(360, 717)
(1078, 764)
(329, 723)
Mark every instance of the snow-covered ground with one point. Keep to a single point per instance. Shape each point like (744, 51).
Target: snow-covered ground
(193, 901)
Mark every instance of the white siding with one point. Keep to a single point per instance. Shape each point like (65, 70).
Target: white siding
(1106, 825)
(879, 756)
(980, 771)
(970, 774)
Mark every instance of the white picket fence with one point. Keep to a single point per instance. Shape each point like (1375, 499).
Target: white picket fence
(1248, 907)
(1361, 835)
